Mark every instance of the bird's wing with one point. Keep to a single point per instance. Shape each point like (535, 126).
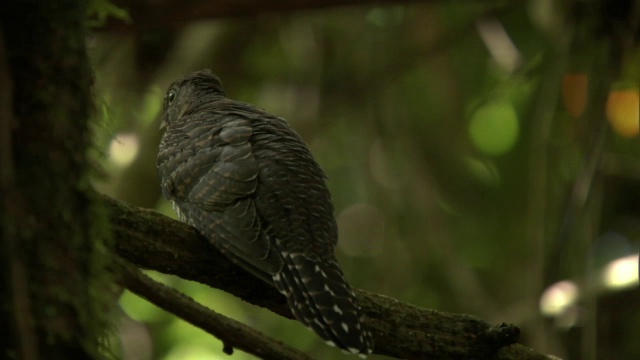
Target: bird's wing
(294, 199)
(221, 203)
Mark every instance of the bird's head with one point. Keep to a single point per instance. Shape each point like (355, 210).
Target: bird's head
(188, 93)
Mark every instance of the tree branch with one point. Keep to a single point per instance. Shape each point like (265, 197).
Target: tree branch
(153, 241)
(233, 334)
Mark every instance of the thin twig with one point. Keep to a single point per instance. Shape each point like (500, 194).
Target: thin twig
(232, 333)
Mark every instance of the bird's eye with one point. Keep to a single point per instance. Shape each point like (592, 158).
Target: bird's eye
(171, 96)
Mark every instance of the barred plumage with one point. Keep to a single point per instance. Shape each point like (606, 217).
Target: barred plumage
(249, 184)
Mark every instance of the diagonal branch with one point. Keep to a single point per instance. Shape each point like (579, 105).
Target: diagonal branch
(153, 241)
(232, 333)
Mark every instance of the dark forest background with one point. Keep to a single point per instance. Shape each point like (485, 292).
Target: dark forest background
(483, 156)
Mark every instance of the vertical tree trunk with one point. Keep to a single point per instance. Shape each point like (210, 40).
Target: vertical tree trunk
(51, 225)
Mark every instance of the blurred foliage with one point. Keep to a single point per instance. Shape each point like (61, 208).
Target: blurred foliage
(99, 11)
(466, 144)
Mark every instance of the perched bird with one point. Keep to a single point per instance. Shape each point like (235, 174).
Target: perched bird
(247, 182)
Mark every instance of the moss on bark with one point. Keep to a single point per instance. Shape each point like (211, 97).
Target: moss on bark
(52, 225)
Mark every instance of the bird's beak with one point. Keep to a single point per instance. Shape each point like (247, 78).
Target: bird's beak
(163, 124)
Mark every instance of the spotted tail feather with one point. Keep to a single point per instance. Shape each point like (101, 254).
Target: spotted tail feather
(320, 297)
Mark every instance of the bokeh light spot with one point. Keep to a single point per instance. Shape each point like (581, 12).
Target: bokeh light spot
(623, 111)
(558, 297)
(123, 149)
(494, 128)
(622, 272)
(575, 92)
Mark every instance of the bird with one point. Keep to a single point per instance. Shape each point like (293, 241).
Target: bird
(249, 184)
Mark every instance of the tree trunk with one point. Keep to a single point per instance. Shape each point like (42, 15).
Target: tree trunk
(52, 227)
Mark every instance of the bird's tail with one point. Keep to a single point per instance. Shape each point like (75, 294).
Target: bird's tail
(320, 297)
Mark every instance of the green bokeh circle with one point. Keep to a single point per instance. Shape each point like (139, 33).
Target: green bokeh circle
(494, 128)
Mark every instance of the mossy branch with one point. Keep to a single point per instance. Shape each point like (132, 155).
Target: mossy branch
(151, 240)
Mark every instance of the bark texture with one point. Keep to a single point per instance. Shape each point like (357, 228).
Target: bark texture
(51, 225)
(153, 241)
